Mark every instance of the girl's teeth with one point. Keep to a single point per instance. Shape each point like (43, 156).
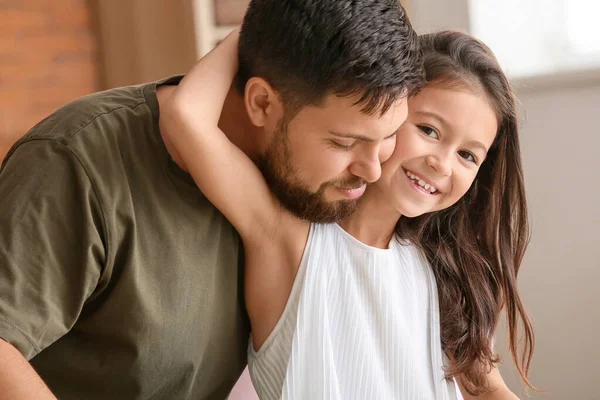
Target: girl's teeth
(421, 182)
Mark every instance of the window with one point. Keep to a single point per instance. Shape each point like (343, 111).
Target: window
(538, 37)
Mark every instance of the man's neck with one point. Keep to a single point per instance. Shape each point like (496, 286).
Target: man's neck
(234, 122)
(236, 125)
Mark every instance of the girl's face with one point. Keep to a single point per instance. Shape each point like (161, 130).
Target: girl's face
(438, 150)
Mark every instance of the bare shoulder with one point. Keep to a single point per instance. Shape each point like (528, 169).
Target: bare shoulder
(273, 254)
(500, 390)
(272, 263)
(284, 234)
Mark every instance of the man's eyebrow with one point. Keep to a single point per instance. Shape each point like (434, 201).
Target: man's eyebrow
(359, 137)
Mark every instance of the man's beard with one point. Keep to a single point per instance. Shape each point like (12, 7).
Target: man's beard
(284, 181)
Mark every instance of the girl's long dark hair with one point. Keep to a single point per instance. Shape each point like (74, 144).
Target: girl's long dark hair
(476, 246)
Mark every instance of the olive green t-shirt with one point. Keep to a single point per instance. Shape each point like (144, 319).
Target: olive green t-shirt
(118, 279)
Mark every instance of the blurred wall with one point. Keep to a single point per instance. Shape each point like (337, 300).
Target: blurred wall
(48, 56)
(52, 52)
(560, 140)
(230, 12)
(144, 40)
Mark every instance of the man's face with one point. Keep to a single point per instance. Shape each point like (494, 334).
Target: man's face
(319, 163)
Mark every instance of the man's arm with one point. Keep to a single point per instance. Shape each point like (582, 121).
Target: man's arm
(18, 379)
(50, 255)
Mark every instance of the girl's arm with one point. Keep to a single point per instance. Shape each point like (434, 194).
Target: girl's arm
(224, 173)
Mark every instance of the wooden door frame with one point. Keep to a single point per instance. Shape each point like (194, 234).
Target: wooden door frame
(143, 40)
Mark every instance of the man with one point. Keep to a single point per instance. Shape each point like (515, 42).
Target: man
(118, 279)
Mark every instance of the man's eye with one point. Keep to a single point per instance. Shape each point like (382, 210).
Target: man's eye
(342, 146)
(428, 131)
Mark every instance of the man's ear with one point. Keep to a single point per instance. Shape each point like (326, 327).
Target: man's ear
(263, 104)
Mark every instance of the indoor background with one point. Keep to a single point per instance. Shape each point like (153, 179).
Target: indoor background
(52, 52)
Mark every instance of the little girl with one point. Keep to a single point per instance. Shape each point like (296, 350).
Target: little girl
(404, 295)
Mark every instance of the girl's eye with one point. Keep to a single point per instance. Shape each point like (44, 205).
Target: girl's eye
(428, 131)
(468, 156)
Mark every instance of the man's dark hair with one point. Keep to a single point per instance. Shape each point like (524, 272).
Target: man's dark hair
(307, 49)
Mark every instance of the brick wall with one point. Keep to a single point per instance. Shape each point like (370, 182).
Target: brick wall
(48, 56)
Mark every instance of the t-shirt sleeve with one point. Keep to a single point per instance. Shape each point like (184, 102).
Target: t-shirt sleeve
(51, 244)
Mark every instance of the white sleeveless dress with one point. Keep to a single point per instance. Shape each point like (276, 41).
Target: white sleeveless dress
(360, 323)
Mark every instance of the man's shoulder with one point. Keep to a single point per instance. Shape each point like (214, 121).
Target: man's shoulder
(82, 115)
(101, 114)
(111, 137)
